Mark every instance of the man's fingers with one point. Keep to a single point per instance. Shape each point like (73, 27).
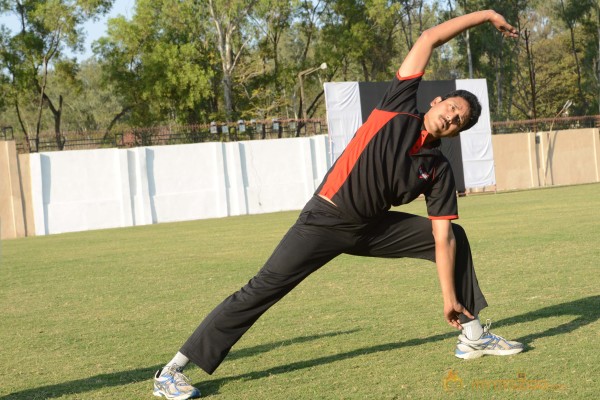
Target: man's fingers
(452, 320)
(508, 27)
(467, 313)
(454, 323)
(509, 30)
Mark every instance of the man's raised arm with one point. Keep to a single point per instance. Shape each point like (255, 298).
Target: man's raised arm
(418, 57)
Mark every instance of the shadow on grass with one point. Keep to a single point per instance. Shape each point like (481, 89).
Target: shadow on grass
(79, 386)
(587, 311)
(142, 374)
(262, 348)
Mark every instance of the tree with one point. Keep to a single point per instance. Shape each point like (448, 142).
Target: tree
(494, 57)
(160, 63)
(592, 30)
(46, 29)
(306, 34)
(572, 13)
(410, 11)
(264, 72)
(195, 61)
(349, 35)
(89, 101)
(541, 85)
(272, 18)
(229, 18)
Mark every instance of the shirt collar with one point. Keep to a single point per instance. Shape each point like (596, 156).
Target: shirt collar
(420, 143)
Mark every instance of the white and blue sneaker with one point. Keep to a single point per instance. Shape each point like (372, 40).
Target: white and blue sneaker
(171, 383)
(487, 344)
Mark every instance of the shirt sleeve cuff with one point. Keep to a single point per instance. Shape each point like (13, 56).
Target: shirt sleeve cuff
(405, 78)
(449, 217)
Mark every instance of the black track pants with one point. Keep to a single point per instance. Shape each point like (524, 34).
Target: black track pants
(320, 234)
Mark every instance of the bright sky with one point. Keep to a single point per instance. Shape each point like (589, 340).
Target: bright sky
(94, 29)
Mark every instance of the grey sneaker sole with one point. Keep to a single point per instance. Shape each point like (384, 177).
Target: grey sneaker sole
(159, 393)
(470, 355)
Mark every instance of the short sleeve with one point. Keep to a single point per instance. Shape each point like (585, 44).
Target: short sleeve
(441, 197)
(401, 95)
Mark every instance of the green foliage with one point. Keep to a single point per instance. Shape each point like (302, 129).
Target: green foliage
(90, 103)
(28, 56)
(360, 38)
(190, 61)
(265, 73)
(158, 63)
(582, 19)
(547, 50)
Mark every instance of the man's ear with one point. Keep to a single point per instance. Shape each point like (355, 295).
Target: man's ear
(435, 101)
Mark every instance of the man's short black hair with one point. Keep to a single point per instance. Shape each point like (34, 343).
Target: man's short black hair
(474, 106)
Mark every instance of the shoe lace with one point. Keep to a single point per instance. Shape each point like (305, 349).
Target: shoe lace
(486, 329)
(177, 374)
(488, 325)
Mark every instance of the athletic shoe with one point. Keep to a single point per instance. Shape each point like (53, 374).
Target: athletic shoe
(488, 343)
(171, 383)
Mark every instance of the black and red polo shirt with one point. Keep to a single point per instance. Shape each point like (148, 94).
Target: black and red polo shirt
(386, 163)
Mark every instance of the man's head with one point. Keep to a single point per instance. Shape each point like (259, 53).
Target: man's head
(455, 112)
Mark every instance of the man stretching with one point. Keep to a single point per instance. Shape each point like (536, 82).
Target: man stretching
(393, 158)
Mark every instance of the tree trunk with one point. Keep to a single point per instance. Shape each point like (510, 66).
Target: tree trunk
(578, 67)
(313, 106)
(60, 140)
(23, 127)
(115, 119)
(469, 57)
(532, 82)
(407, 29)
(420, 17)
(365, 70)
(42, 90)
(57, 114)
(598, 55)
(467, 36)
(225, 27)
(571, 27)
(227, 96)
(309, 31)
(499, 82)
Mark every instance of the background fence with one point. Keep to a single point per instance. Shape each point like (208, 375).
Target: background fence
(239, 131)
(173, 134)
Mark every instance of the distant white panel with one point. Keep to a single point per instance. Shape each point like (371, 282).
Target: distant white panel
(476, 143)
(342, 100)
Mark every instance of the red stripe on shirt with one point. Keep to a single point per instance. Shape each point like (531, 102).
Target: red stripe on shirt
(419, 143)
(404, 78)
(355, 148)
(444, 217)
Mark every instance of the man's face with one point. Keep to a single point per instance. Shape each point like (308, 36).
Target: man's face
(446, 118)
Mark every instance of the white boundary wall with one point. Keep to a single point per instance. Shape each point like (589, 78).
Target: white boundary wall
(97, 189)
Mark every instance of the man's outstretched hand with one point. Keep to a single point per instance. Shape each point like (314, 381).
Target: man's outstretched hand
(504, 27)
(452, 311)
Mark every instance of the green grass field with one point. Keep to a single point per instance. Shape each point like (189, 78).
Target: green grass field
(92, 315)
